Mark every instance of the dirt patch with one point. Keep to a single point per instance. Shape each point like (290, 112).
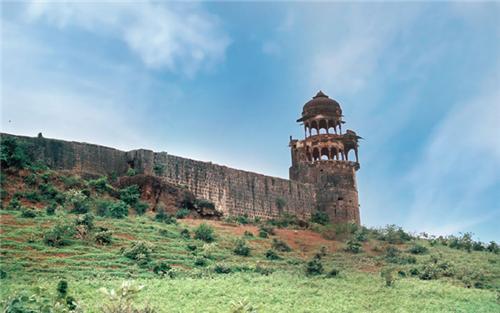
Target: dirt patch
(124, 236)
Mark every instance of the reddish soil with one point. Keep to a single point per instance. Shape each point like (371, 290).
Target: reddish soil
(124, 236)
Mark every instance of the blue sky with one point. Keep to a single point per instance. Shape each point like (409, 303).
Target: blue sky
(225, 82)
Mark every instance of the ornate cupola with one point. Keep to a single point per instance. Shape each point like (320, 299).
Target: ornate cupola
(323, 158)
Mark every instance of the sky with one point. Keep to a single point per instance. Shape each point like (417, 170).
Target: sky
(226, 81)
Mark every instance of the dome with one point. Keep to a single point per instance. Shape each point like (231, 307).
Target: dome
(321, 104)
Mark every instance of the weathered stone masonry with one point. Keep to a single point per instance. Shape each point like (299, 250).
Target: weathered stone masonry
(322, 178)
(233, 191)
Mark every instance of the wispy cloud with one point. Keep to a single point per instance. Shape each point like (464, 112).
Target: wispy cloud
(181, 39)
(458, 167)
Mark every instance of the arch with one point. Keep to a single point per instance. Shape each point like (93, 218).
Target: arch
(325, 153)
(315, 154)
(313, 131)
(323, 131)
(334, 154)
(349, 155)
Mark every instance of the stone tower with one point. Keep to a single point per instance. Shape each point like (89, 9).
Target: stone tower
(322, 159)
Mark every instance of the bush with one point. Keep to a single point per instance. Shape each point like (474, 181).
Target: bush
(268, 229)
(159, 169)
(14, 204)
(248, 234)
(30, 180)
(222, 269)
(59, 235)
(103, 237)
(130, 195)
(493, 247)
(33, 196)
(185, 233)
(118, 209)
(28, 213)
(49, 192)
(387, 275)
(353, 246)
(51, 209)
(13, 153)
(272, 255)
(320, 217)
(435, 268)
(418, 249)
(200, 262)
(202, 203)
(263, 234)
(122, 300)
(161, 268)
(280, 203)
(79, 201)
(280, 245)
(141, 207)
(334, 272)
(182, 213)
(242, 219)
(204, 232)
(86, 220)
(314, 267)
(394, 235)
(241, 248)
(62, 288)
(100, 184)
(102, 207)
(266, 271)
(131, 172)
(163, 217)
(139, 251)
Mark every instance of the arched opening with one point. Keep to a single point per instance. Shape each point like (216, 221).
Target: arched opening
(350, 155)
(313, 131)
(322, 131)
(334, 154)
(325, 154)
(323, 126)
(315, 154)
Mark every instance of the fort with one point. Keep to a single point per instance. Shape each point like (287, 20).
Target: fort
(322, 178)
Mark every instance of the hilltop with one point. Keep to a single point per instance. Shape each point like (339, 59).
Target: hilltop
(65, 235)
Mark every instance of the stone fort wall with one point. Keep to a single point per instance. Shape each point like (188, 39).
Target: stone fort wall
(233, 191)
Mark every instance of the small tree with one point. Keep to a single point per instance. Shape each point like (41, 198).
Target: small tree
(314, 267)
(241, 248)
(320, 217)
(204, 232)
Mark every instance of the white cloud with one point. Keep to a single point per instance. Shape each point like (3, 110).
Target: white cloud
(181, 39)
(459, 165)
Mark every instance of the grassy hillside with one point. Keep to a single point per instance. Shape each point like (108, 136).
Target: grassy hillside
(58, 228)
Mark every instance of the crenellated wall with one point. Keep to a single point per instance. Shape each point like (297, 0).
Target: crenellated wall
(233, 191)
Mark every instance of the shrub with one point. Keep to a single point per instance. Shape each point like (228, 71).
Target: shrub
(241, 248)
(28, 213)
(14, 204)
(163, 217)
(49, 192)
(191, 247)
(204, 232)
(387, 275)
(86, 220)
(131, 172)
(161, 268)
(280, 245)
(280, 203)
(268, 229)
(70, 181)
(103, 237)
(62, 288)
(182, 213)
(159, 169)
(393, 235)
(353, 246)
(51, 209)
(361, 234)
(222, 269)
(139, 251)
(478, 246)
(314, 267)
(320, 217)
(242, 219)
(130, 195)
(493, 247)
(272, 255)
(141, 207)
(100, 184)
(202, 203)
(30, 180)
(435, 268)
(200, 262)
(266, 271)
(263, 234)
(79, 201)
(185, 233)
(59, 235)
(118, 209)
(334, 272)
(418, 249)
(32, 196)
(13, 153)
(122, 300)
(248, 234)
